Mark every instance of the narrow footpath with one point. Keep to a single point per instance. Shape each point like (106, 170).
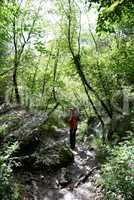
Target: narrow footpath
(75, 182)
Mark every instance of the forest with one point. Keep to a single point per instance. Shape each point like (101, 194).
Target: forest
(56, 57)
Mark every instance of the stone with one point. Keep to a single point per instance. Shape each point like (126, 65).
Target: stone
(39, 146)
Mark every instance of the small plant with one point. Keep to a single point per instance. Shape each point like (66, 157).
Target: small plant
(9, 190)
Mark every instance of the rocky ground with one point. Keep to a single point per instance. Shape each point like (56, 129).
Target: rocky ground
(42, 161)
(76, 181)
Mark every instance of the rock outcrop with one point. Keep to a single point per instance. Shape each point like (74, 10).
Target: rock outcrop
(39, 146)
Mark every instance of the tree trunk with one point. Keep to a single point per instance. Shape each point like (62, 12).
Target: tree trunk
(94, 107)
(85, 82)
(15, 84)
(77, 63)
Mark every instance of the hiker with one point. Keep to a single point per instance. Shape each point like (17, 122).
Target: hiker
(73, 127)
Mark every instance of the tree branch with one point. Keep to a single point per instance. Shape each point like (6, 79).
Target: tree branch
(79, 36)
(5, 72)
(53, 109)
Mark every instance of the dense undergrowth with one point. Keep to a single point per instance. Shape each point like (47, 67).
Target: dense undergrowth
(118, 172)
(117, 169)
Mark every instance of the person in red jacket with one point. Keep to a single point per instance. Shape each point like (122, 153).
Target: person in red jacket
(73, 127)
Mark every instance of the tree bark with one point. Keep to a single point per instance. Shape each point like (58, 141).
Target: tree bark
(16, 63)
(15, 84)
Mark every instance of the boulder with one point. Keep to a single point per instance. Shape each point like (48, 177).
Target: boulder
(47, 154)
(39, 146)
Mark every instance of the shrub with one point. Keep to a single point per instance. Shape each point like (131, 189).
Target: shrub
(118, 172)
(9, 190)
(102, 150)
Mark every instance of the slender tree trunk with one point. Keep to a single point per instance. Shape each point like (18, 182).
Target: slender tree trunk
(53, 109)
(15, 84)
(77, 63)
(18, 50)
(85, 82)
(94, 107)
(16, 63)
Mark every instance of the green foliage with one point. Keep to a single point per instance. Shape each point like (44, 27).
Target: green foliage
(102, 150)
(118, 172)
(46, 74)
(5, 189)
(55, 120)
(2, 131)
(112, 13)
(82, 129)
(9, 189)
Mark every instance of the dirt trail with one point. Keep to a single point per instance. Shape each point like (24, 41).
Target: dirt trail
(75, 182)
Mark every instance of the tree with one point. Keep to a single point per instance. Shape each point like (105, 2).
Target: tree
(22, 33)
(112, 13)
(77, 60)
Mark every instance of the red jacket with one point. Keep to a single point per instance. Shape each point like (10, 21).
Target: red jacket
(73, 121)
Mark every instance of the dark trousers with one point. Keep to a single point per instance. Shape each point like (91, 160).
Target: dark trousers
(72, 137)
